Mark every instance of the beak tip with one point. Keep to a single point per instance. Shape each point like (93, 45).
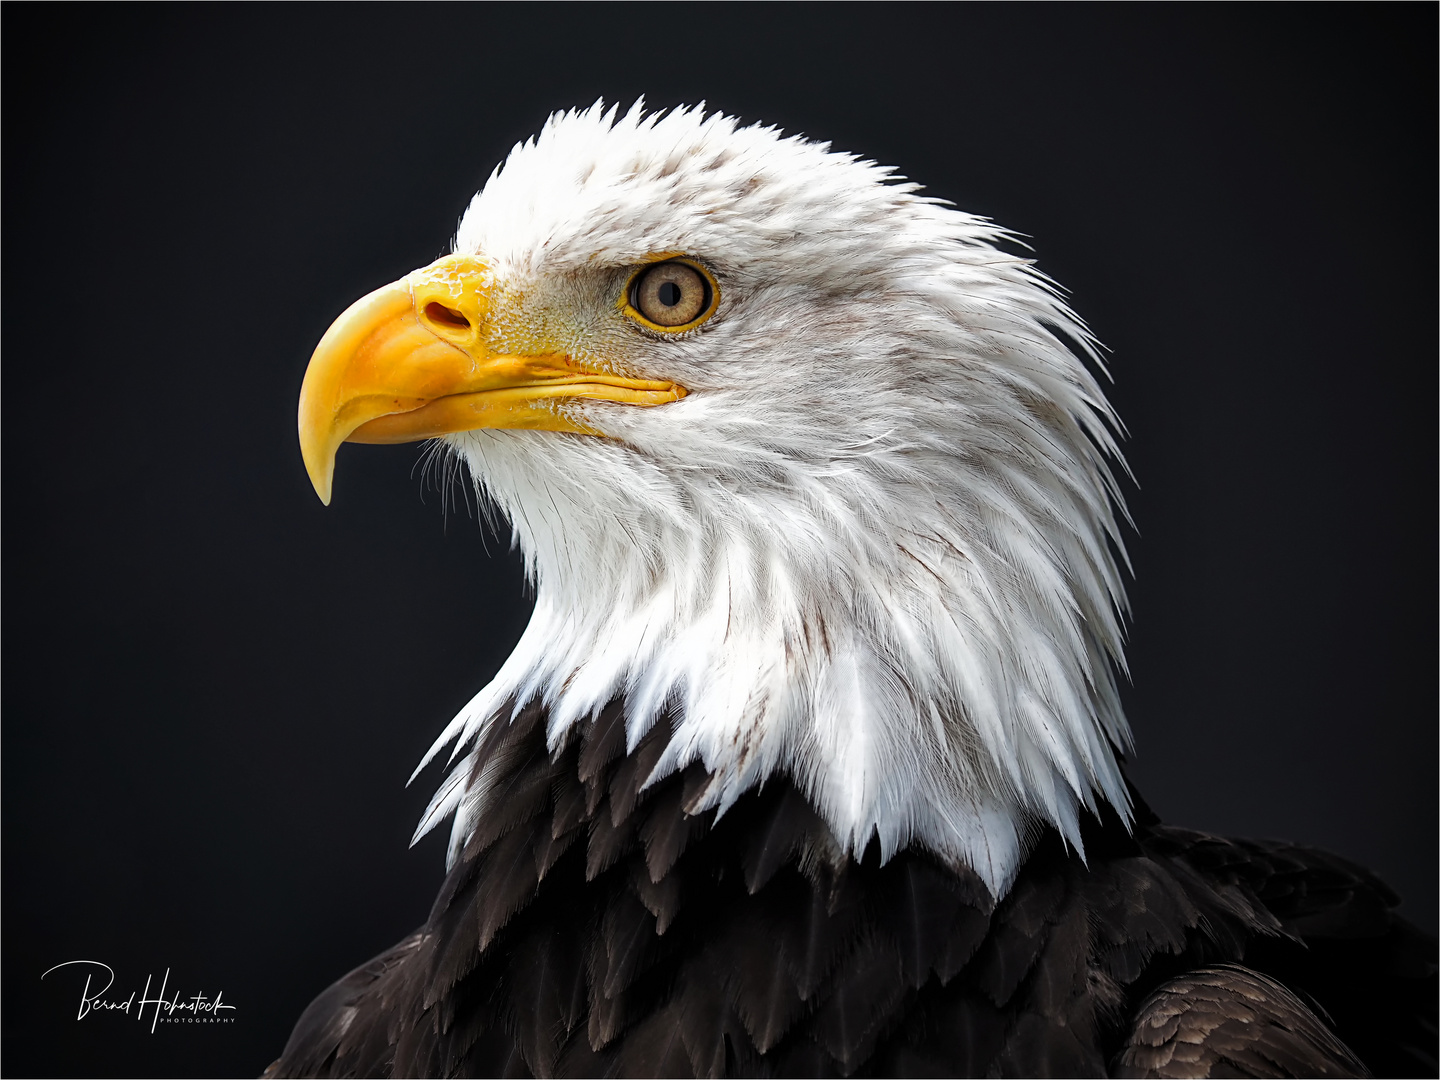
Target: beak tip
(322, 478)
(318, 453)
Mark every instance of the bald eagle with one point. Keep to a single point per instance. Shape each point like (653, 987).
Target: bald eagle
(809, 760)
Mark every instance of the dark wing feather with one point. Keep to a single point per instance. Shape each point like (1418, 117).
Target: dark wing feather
(1231, 1021)
(546, 993)
(668, 829)
(777, 837)
(1339, 942)
(864, 991)
(924, 902)
(350, 1020)
(708, 1024)
(656, 1048)
(628, 931)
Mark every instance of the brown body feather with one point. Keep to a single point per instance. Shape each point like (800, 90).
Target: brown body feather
(1229, 1020)
(592, 928)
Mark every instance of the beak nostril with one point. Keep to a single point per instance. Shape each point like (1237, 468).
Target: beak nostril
(446, 317)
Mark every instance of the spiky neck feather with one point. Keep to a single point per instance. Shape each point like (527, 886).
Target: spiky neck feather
(875, 548)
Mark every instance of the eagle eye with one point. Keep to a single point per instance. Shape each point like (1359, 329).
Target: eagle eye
(673, 295)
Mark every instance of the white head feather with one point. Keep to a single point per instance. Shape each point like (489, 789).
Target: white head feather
(873, 550)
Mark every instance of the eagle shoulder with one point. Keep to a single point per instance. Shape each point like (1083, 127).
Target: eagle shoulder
(1230, 1021)
(346, 1030)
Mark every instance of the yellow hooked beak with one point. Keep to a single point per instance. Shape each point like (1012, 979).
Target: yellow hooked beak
(410, 361)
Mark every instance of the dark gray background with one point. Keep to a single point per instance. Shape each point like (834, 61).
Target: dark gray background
(216, 687)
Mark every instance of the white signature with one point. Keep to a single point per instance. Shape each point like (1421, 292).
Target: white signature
(198, 1008)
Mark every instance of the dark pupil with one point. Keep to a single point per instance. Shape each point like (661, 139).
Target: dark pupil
(669, 294)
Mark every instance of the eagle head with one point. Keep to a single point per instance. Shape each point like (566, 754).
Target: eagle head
(803, 465)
